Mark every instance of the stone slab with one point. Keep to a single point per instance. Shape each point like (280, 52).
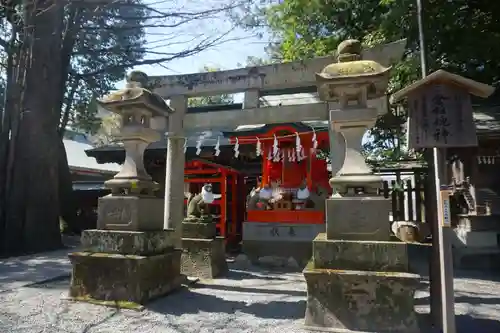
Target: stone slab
(203, 258)
(356, 301)
(301, 251)
(127, 242)
(281, 232)
(360, 255)
(130, 213)
(199, 230)
(358, 218)
(124, 278)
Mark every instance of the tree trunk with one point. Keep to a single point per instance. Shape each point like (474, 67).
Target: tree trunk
(32, 216)
(67, 199)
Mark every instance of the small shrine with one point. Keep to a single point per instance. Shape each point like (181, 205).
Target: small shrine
(129, 259)
(285, 210)
(357, 279)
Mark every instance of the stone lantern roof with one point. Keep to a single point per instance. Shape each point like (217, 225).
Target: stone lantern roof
(135, 93)
(346, 78)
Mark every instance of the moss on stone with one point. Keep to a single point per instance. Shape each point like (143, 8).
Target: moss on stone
(113, 304)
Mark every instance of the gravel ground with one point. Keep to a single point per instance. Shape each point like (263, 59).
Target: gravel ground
(250, 300)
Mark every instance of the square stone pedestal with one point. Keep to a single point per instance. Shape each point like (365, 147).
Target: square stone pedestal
(358, 280)
(360, 301)
(125, 269)
(130, 213)
(280, 242)
(358, 218)
(203, 254)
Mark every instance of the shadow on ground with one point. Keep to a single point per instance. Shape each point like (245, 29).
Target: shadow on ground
(467, 299)
(18, 272)
(468, 324)
(194, 302)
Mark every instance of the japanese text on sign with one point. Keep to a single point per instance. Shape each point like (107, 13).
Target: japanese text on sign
(445, 199)
(440, 116)
(274, 232)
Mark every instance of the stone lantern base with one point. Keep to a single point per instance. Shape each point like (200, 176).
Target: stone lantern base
(358, 280)
(360, 301)
(125, 268)
(360, 286)
(204, 254)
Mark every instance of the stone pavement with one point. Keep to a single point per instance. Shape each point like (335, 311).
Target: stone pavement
(248, 300)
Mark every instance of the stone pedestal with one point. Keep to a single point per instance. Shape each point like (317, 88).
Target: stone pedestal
(129, 213)
(203, 254)
(284, 244)
(125, 268)
(130, 259)
(357, 280)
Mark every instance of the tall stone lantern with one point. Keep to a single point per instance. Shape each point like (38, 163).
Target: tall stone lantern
(129, 258)
(357, 280)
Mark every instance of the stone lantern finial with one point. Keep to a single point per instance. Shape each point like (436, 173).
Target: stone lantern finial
(137, 79)
(349, 50)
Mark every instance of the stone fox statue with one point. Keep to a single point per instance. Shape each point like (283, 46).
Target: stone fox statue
(197, 205)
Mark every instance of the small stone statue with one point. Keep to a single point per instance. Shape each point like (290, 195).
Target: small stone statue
(198, 205)
(259, 198)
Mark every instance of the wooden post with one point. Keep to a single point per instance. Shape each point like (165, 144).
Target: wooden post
(234, 207)
(223, 203)
(440, 117)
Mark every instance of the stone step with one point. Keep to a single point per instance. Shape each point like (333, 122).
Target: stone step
(382, 256)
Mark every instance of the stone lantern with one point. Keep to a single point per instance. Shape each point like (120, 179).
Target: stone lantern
(139, 111)
(357, 279)
(352, 82)
(129, 259)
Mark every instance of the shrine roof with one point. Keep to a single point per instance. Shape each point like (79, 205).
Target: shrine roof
(441, 76)
(245, 130)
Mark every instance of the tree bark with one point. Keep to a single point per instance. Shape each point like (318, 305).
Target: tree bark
(32, 211)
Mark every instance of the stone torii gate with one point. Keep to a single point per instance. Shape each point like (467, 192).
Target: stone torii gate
(254, 82)
(134, 255)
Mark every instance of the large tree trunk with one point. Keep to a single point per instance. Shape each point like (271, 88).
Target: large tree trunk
(67, 200)
(32, 212)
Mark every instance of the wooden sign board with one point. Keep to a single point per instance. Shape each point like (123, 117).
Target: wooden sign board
(440, 116)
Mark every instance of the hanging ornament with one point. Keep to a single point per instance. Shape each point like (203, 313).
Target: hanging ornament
(276, 156)
(275, 146)
(314, 141)
(283, 155)
(303, 155)
(217, 147)
(294, 156)
(289, 154)
(185, 145)
(258, 148)
(298, 145)
(236, 149)
(270, 155)
(198, 144)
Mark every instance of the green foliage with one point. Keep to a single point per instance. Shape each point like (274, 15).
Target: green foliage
(107, 39)
(461, 37)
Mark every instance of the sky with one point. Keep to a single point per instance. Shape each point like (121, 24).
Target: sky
(228, 55)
